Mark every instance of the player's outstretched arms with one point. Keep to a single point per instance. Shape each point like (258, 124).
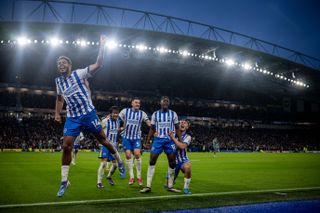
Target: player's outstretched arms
(179, 144)
(94, 67)
(58, 109)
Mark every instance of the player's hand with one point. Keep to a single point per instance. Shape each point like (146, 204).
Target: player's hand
(103, 39)
(171, 134)
(57, 119)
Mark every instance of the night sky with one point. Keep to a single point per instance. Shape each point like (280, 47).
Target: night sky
(294, 24)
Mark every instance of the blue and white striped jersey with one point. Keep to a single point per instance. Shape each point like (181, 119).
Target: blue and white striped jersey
(182, 153)
(110, 128)
(76, 92)
(78, 139)
(132, 120)
(164, 122)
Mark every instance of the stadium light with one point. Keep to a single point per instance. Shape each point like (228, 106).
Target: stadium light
(247, 66)
(111, 44)
(230, 62)
(162, 49)
(22, 40)
(185, 53)
(83, 43)
(141, 47)
(54, 41)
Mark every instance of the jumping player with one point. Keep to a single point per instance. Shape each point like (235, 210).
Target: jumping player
(182, 161)
(131, 139)
(111, 128)
(72, 88)
(163, 121)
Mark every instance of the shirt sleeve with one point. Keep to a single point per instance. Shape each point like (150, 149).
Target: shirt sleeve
(153, 119)
(145, 117)
(83, 73)
(122, 114)
(104, 123)
(187, 140)
(59, 92)
(175, 118)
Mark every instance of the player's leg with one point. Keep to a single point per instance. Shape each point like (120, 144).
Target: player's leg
(101, 171)
(92, 124)
(101, 137)
(127, 144)
(157, 148)
(111, 171)
(186, 168)
(66, 160)
(73, 156)
(170, 150)
(137, 156)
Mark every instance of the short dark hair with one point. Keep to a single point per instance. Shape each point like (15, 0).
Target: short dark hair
(135, 98)
(114, 108)
(165, 97)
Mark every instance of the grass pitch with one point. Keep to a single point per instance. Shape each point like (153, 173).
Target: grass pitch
(35, 178)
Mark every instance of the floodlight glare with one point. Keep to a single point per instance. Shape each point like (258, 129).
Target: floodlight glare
(247, 66)
(111, 44)
(22, 40)
(230, 62)
(54, 41)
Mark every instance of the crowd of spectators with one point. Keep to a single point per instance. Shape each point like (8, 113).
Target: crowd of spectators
(31, 132)
(199, 108)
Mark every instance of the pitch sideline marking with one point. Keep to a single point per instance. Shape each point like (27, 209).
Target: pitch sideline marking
(155, 197)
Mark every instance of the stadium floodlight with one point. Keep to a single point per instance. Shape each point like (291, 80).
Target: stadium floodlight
(35, 41)
(67, 42)
(184, 52)
(54, 41)
(22, 40)
(141, 47)
(230, 62)
(111, 44)
(247, 66)
(83, 43)
(162, 49)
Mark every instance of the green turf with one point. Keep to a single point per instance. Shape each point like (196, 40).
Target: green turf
(35, 177)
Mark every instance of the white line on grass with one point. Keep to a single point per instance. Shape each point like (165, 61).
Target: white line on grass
(156, 197)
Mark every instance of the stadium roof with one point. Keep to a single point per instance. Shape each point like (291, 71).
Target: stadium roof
(213, 59)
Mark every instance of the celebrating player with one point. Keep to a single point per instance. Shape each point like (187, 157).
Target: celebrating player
(182, 161)
(162, 122)
(111, 128)
(131, 139)
(72, 88)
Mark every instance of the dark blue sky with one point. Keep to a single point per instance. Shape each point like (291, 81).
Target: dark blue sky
(291, 23)
(294, 24)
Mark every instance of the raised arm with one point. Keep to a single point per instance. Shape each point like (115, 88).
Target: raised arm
(94, 67)
(58, 108)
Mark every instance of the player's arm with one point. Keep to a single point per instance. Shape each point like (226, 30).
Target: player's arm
(178, 143)
(94, 67)
(151, 133)
(146, 119)
(58, 108)
(152, 128)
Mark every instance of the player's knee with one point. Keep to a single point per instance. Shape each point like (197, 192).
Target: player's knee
(67, 148)
(152, 162)
(137, 156)
(172, 163)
